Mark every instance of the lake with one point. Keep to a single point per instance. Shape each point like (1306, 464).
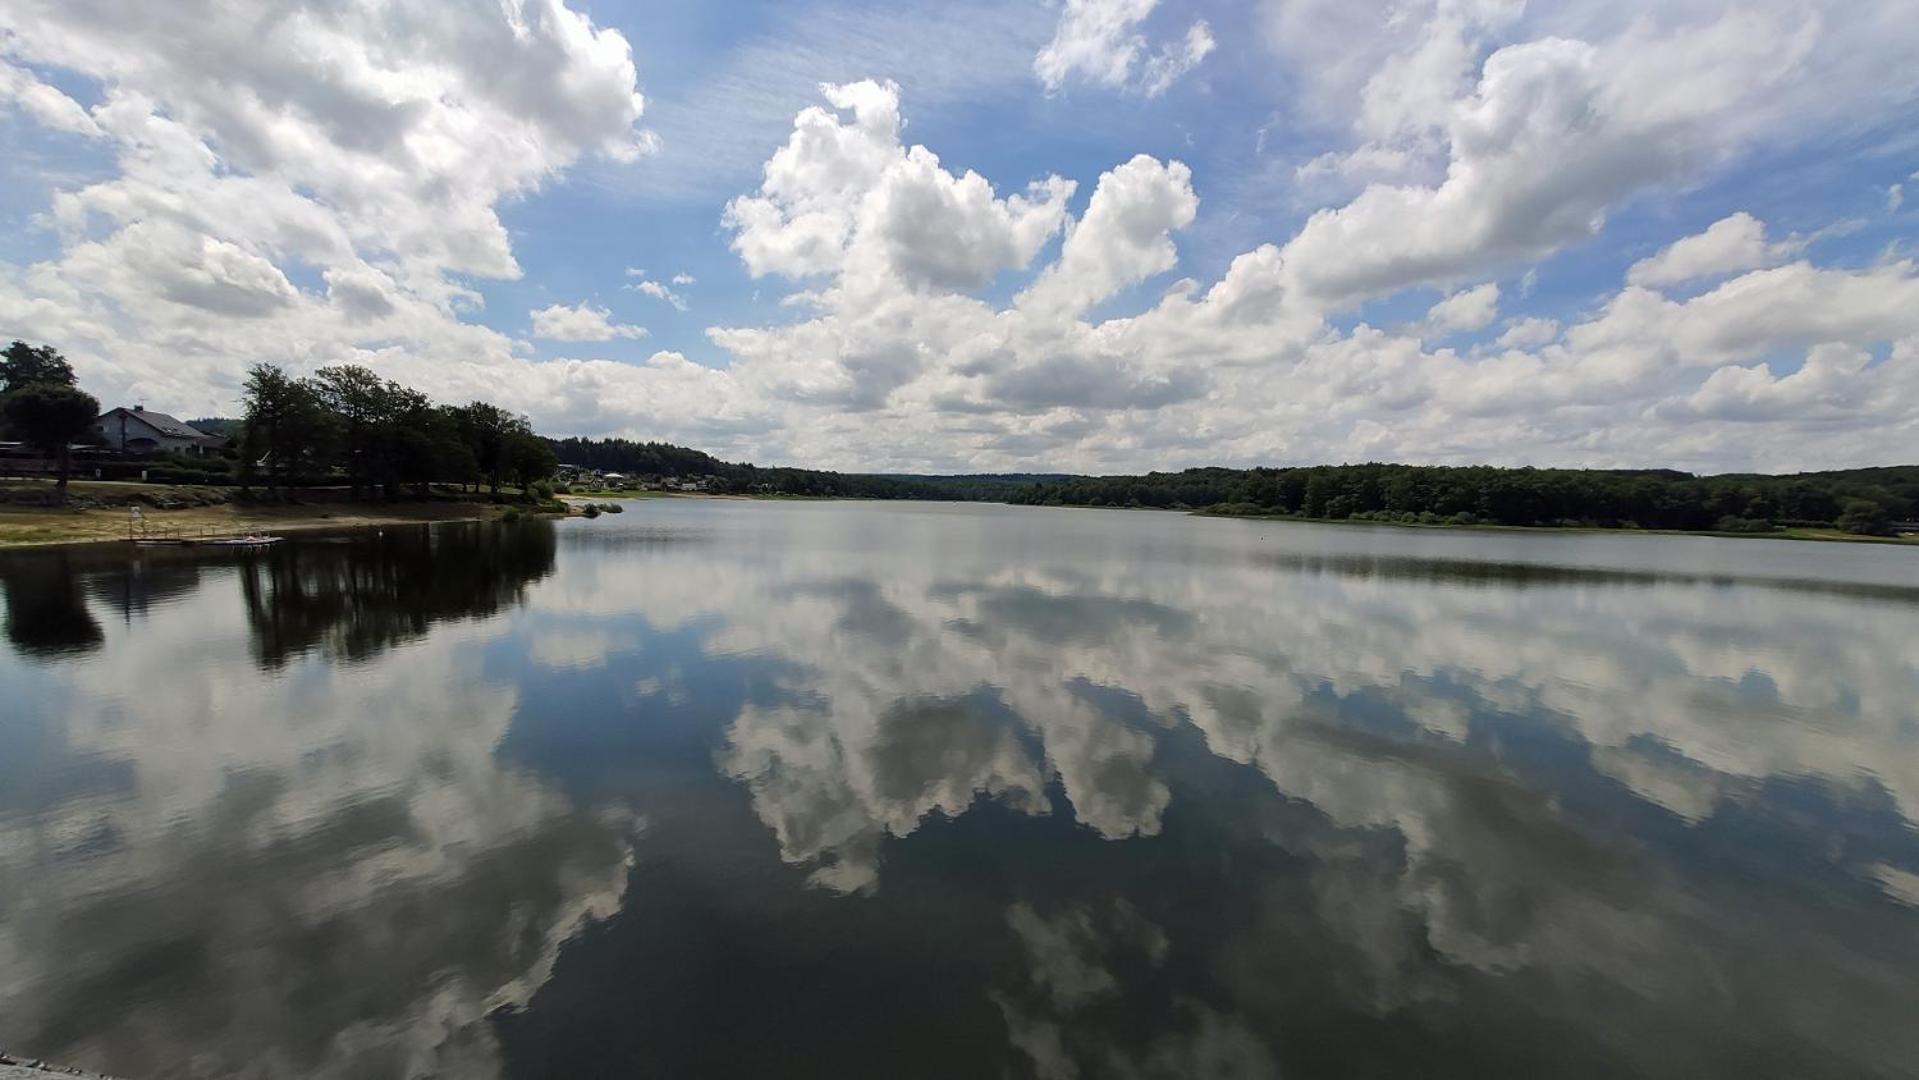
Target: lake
(719, 788)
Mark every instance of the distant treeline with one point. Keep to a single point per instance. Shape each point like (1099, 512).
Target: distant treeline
(1859, 500)
(665, 459)
(635, 458)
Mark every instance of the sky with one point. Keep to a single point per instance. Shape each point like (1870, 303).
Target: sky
(1089, 235)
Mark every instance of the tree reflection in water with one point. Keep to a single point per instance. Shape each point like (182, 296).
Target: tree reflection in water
(215, 860)
(47, 613)
(363, 595)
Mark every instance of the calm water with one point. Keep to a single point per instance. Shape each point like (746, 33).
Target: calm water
(717, 788)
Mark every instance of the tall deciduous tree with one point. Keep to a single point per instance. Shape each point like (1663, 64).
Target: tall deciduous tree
(1863, 517)
(428, 446)
(23, 365)
(489, 431)
(52, 417)
(286, 424)
(532, 459)
(362, 405)
(27, 365)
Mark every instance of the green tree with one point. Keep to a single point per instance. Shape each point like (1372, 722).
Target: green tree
(532, 459)
(1863, 517)
(1262, 489)
(23, 365)
(286, 425)
(489, 431)
(398, 440)
(362, 405)
(1317, 495)
(446, 446)
(422, 443)
(51, 418)
(29, 365)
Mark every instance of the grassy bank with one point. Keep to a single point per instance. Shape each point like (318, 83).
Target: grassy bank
(623, 493)
(98, 512)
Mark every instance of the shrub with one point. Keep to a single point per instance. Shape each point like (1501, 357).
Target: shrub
(613, 508)
(591, 510)
(174, 474)
(1863, 517)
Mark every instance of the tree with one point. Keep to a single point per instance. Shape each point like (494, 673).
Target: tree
(362, 405)
(286, 425)
(532, 459)
(24, 365)
(396, 439)
(452, 458)
(489, 430)
(422, 443)
(1262, 489)
(1317, 495)
(1863, 517)
(51, 417)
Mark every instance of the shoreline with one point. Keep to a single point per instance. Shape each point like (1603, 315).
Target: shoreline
(39, 527)
(1821, 536)
(48, 527)
(15, 1067)
(1817, 536)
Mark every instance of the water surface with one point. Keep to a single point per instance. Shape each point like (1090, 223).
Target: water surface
(716, 788)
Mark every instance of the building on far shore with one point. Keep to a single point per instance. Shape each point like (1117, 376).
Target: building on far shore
(140, 431)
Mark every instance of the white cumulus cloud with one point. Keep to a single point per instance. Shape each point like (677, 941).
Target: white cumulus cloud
(1468, 309)
(1100, 40)
(845, 196)
(581, 322)
(1729, 245)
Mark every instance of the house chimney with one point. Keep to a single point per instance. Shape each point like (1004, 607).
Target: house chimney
(139, 408)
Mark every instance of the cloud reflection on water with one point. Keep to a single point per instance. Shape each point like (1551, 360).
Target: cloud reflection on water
(307, 869)
(1583, 771)
(1116, 794)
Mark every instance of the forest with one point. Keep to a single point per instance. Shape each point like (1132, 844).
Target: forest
(665, 459)
(1863, 501)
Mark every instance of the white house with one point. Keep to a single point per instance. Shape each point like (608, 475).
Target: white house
(139, 431)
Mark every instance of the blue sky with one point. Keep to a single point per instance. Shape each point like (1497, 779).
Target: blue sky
(1270, 231)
